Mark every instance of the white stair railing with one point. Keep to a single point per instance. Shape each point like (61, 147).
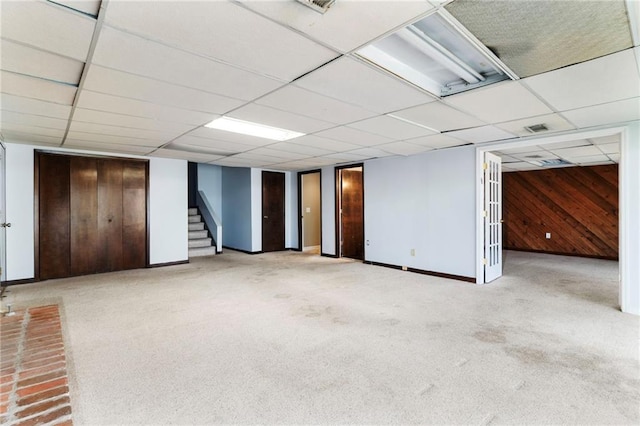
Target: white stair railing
(211, 219)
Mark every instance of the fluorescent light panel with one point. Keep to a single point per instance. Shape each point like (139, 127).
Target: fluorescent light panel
(434, 55)
(234, 125)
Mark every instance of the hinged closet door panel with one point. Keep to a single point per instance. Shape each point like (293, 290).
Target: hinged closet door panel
(53, 216)
(134, 220)
(110, 256)
(84, 215)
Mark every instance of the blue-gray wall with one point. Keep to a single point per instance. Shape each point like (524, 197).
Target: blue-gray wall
(210, 182)
(236, 207)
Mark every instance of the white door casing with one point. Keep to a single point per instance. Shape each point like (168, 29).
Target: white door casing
(492, 217)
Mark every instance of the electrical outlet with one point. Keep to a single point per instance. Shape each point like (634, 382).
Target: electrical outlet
(404, 268)
(413, 252)
(547, 235)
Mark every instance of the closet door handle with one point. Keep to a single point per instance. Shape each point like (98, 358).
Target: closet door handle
(6, 225)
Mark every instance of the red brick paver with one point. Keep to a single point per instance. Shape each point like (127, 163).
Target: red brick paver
(33, 376)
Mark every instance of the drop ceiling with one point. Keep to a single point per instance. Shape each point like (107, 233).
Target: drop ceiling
(143, 78)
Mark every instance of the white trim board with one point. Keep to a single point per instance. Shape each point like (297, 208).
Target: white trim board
(629, 200)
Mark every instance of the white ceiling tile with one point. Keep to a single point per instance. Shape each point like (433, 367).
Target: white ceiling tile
(437, 141)
(580, 151)
(277, 118)
(117, 104)
(390, 127)
(221, 135)
(345, 157)
(336, 27)
(107, 147)
(119, 83)
(610, 78)
(535, 156)
(606, 139)
(34, 106)
(507, 158)
(588, 159)
(299, 149)
(324, 143)
(610, 148)
(614, 157)
(136, 55)
(310, 104)
(614, 112)
(183, 155)
(103, 138)
(47, 26)
(523, 166)
(354, 136)
(126, 132)
(569, 144)
(263, 158)
(32, 120)
(481, 134)
(30, 138)
(273, 153)
(403, 148)
(27, 60)
(87, 6)
(554, 123)
(224, 31)
(499, 102)
(37, 88)
(23, 128)
(212, 144)
(439, 116)
(598, 163)
(356, 83)
(371, 152)
(121, 120)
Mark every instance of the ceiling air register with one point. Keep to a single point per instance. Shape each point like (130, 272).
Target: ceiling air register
(438, 55)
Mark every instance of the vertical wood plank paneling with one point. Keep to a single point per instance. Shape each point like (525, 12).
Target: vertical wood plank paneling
(110, 253)
(577, 205)
(53, 216)
(352, 214)
(134, 214)
(84, 215)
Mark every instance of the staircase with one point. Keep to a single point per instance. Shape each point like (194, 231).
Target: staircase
(200, 243)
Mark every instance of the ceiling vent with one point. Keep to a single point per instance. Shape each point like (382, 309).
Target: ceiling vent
(318, 5)
(537, 128)
(554, 162)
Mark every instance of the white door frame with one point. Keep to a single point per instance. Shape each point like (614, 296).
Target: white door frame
(629, 199)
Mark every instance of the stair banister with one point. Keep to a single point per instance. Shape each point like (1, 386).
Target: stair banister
(211, 219)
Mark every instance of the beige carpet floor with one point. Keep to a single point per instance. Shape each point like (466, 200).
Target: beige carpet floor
(301, 339)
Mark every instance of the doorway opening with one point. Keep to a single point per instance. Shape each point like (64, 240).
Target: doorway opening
(310, 208)
(273, 187)
(350, 211)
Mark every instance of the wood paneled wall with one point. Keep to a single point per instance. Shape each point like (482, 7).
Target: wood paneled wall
(577, 205)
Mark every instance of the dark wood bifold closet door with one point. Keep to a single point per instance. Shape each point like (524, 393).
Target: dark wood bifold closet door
(53, 216)
(92, 215)
(352, 214)
(272, 211)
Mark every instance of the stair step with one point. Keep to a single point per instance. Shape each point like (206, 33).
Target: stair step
(202, 251)
(192, 211)
(200, 242)
(194, 218)
(196, 226)
(193, 235)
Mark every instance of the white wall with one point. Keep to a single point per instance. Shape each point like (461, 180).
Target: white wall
(168, 199)
(20, 237)
(291, 210)
(329, 210)
(630, 220)
(425, 203)
(256, 210)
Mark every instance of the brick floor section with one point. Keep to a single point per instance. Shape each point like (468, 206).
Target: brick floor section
(33, 377)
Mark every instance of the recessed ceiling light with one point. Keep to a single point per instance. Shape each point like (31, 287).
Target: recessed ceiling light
(234, 125)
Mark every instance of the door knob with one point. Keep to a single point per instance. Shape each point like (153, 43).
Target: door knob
(6, 225)
(266, 217)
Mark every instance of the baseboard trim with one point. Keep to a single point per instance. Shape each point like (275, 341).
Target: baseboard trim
(160, 265)
(18, 282)
(558, 253)
(242, 251)
(293, 249)
(425, 272)
(329, 255)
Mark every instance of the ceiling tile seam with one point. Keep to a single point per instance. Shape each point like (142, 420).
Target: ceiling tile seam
(190, 52)
(153, 119)
(73, 9)
(34, 99)
(441, 101)
(524, 84)
(40, 49)
(561, 113)
(64, 83)
(282, 25)
(85, 70)
(120, 127)
(5, 122)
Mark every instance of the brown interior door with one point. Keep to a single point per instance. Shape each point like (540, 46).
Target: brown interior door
(134, 220)
(110, 253)
(272, 211)
(352, 218)
(53, 216)
(84, 215)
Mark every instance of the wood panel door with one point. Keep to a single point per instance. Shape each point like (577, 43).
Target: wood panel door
(134, 214)
(352, 217)
(53, 216)
(272, 211)
(110, 257)
(83, 198)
